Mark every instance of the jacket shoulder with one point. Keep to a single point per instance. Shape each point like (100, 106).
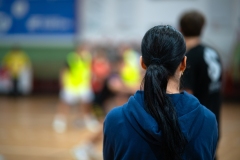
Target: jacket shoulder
(113, 117)
(114, 113)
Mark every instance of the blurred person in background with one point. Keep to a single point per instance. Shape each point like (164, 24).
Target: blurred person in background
(161, 122)
(131, 70)
(116, 90)
(18, 66)
(101, 69)
(203, 76)
(75, 81)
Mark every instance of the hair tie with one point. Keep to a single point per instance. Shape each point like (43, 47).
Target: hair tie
(156, 61)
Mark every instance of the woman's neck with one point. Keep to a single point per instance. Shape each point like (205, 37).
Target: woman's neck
(173, 85)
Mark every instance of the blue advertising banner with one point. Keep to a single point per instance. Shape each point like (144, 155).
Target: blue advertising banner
(37, 17)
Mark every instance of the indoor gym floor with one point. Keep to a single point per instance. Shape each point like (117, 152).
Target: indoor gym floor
(26, 131)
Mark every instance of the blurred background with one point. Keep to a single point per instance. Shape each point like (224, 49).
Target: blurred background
(42, 33)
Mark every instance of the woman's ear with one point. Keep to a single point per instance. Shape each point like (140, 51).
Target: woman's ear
(183, 64)
(142, 63)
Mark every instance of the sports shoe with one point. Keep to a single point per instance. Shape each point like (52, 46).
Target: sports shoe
(86, 152)
(59, 124)
(91, 124)
(81, 153)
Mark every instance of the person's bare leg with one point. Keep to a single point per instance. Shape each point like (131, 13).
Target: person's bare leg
(86, 114)
(60, 119)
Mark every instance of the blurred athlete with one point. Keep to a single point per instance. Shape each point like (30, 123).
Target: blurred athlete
(76, 89)
(18, 65)
(100, 71)
(131, 70)
(203, 76)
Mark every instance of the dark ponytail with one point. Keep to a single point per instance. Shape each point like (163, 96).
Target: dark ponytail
(163, 49)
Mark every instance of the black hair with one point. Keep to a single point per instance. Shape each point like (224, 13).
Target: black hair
(191, 23)
(163, 49)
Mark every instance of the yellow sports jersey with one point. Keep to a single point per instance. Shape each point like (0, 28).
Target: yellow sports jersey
(131, 71)
(79, 73)
(15, 61)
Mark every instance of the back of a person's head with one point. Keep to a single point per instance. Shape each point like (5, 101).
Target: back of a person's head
(163, 44)
(191, 23)
(163, 49)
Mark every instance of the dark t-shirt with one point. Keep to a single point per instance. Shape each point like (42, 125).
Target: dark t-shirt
(203, 76)
(106, 92)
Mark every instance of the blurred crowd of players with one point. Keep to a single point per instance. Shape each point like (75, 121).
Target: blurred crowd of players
(91, 76)
(94, 78)
(97, 79)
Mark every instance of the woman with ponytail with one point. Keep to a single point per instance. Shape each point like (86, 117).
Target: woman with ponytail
(159, 121)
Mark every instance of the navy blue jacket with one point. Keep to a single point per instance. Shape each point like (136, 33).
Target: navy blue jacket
(131, 133)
